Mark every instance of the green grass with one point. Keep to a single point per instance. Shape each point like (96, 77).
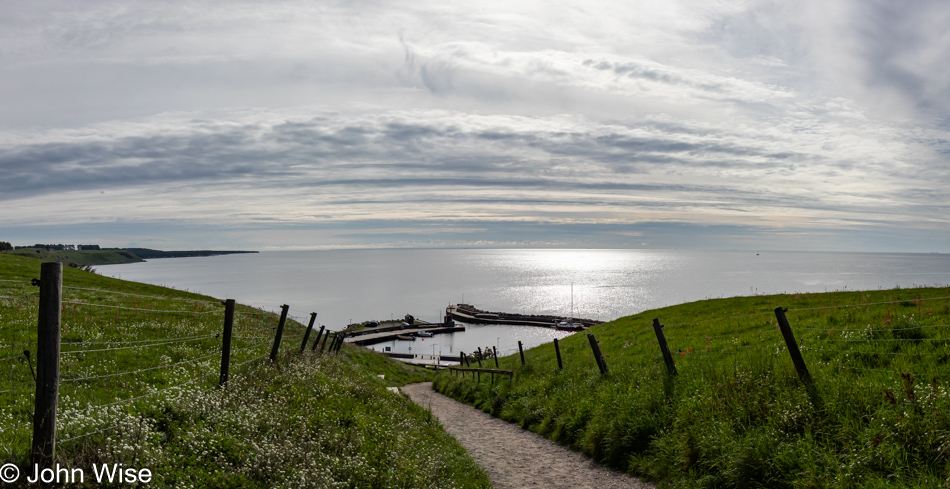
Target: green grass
(150, 398)
(77, 258)
(737, 415)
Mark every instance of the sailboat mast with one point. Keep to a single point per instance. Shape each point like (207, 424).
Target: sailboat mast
(572, 301)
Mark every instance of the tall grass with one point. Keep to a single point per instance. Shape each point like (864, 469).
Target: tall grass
(737, 414)
(140, 369)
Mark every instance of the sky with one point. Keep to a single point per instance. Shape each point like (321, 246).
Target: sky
(757, 125)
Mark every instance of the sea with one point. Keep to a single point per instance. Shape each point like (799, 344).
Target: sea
(347, 286)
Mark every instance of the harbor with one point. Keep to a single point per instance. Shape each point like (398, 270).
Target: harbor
(463, 328)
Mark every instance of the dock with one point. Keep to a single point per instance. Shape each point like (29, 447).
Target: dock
(424, 360)
(389, 333)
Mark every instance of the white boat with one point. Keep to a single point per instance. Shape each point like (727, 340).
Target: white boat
(569, 324)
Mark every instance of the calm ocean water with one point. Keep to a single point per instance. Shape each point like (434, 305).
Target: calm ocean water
(345, 286)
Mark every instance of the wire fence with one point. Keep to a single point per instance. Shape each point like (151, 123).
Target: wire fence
(161, 348)
(893, 338)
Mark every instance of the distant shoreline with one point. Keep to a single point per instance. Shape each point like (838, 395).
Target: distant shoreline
(112, 256)
(147, 254)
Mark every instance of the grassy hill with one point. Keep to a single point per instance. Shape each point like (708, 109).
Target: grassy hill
(737, 414)
(139, 387)
(80, 258)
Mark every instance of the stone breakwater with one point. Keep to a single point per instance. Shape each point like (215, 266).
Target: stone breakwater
(467, 313)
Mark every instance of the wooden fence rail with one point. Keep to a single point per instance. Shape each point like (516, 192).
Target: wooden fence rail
(492, 371)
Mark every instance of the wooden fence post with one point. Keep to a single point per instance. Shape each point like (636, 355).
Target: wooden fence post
(323, 344)
(667, 356)
(479, 358)
(339, 343)
(226, 341)
(495, 351)
(317, 341)
(792, 345)
(598, 356)
(521, 351)
(557, 350)
(306, 336)
(47, 364)
(280, 332)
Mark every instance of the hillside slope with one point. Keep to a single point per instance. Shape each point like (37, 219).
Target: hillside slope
(139, 387)
(737, 414)
(77, 258)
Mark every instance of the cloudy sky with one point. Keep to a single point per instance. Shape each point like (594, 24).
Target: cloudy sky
(806, 125)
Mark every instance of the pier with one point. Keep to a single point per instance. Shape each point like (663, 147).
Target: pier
(425, 360)
(389, 333)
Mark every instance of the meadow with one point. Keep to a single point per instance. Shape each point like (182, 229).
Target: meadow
(139, 387)
(737, 414)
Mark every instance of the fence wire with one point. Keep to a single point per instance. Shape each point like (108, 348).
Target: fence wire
(161, 298)
(139, 308)
(865, 330)
(723, 318)
(81, 379)
(147, 345)
(129, 342)
(865, 304)
(14, 357)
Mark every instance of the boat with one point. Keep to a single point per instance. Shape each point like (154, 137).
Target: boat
(424, 334)
(405, 337)
(569, 324)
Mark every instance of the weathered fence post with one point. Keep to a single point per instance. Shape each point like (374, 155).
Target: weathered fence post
(667, 356)
(47, 364)
(598, 356)
(479, 358)
(226, 341)
(280, 332)
(495, 351)
(317, 341)
(333, 342)
(792, 345)
(339, 343)
(306, 336)
(521, 352)
(557, 350)
(323, 344)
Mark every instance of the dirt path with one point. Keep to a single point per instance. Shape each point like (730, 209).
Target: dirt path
(513, 457)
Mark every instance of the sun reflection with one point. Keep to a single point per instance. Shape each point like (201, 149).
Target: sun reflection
(601, 279)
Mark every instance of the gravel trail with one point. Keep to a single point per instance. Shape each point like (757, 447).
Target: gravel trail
(514, 457)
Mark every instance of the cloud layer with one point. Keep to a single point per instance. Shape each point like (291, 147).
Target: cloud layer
(362, 124)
